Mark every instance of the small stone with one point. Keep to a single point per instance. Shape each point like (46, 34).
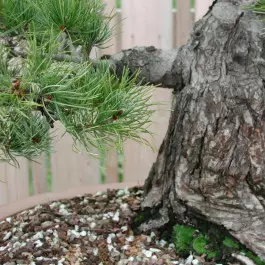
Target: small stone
(83, 233)
(162, 243)
(155, 249)
(9, 219)
(92, 238)
(124, 228)
(189, 260)
(46, 224)
(38, 243)
(130, 238)
(147, 253)
(93, 225)
(195, 262)
(116, 217)
(7, 236)
(120, 193)
(37, 236)
(95, 251)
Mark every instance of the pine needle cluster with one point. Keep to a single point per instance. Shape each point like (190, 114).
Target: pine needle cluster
(46, 76)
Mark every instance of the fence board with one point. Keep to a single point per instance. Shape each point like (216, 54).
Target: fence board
(201, 7)
(71, 169)
(183, 22)
(15, 185)
(39, 175)
(3, 184)
(145, 24)
(114, 45)
(138, 159)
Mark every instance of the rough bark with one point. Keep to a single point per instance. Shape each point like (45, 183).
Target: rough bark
(211, 164)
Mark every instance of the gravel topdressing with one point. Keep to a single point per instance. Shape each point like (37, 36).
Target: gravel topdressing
(90, 229)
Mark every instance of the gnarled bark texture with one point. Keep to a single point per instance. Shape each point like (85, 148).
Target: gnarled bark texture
(211, 164)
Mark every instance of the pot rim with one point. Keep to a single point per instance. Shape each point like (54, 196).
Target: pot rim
(12, 208)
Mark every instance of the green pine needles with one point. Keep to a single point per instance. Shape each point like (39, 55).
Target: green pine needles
(46, 76)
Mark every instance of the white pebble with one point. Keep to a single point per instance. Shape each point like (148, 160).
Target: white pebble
(125, 247)
(38, 207)
(99, 193)
(95, 251)
(124, 228)
(147, 253)
(130, 238)
(9, 219)
(54, 204)
(110, 247)
(109, 240)
(154, 257)
(189, 260)
(155, 249)
(38, 243)
(75, 233)
(37, 236)
(195, 262)
(152, 235)
(116, 217)
(162, 243)
(92, 238)
(120, 193)
(83, 233)
(93, 225)
(7, 236)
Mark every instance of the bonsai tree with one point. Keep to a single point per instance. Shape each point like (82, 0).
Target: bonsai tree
(210, 167)
(47, 76)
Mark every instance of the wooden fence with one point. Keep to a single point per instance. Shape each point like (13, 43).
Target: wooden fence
(149, 22)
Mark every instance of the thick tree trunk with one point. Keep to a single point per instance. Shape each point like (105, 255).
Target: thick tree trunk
(211, 164)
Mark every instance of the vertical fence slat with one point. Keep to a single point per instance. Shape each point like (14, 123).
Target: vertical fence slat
(71, 169)
(111, 166)
(138, 158)
(39, 175)
(111, 157)
(145, 24)
(15, 183)
(3, 184)
(183, 22)
(201, 7)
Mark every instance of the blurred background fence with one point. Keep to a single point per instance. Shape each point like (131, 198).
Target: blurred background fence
(161, 23)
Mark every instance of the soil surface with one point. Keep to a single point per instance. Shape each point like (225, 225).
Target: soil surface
(85, 230)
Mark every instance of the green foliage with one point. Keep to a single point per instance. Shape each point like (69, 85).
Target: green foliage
(258, 7)
(230, 243)
(187, 240)
(54, 80)
(183, 237)
(82, 20)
